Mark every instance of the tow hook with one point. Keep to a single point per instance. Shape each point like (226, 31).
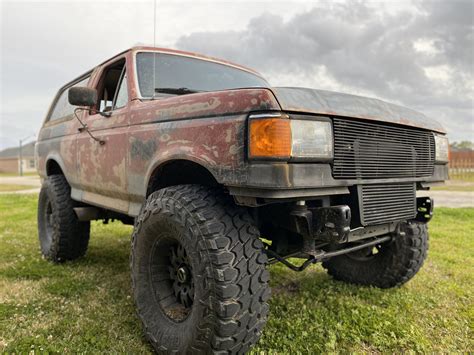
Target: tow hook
(424, 209)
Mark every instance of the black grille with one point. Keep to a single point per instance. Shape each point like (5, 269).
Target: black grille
(382, 203)
(364, 150)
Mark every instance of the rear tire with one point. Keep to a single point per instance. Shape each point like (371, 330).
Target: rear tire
(394, 263)
(198, 272)
(61, 235)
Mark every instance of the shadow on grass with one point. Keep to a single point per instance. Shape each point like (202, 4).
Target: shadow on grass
(111, 259)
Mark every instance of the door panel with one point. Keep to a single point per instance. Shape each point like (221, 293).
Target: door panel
(102, 167)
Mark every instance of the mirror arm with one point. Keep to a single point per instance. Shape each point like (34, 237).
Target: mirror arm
(84, 126)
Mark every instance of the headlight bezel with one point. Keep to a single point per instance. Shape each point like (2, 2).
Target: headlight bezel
(292, 121)
(441, 149)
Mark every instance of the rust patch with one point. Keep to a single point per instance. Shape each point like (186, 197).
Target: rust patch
(143, 150)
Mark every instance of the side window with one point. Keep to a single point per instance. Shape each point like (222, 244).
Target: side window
(121, 98)
(108, 86)
(62, 108)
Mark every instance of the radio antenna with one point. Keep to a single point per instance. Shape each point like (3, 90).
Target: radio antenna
(154, 46)
(154, 23)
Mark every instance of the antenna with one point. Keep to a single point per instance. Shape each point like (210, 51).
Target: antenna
(154, 45)
(154, 23)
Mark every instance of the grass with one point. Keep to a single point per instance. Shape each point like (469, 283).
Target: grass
(14, 187)
(462, 188)
(461, 185)
(31, 173)
(464, 176)
(86, 306)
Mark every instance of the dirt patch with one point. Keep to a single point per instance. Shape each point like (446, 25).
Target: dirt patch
(287, 288)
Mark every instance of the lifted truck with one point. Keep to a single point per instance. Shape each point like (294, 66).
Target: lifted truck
(223, 174)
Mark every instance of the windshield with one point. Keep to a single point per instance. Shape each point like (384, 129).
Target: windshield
(194, 75)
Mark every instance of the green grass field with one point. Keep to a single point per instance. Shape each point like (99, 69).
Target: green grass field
(464, 176)
(86, 306)
(462, 188)
(32, 173)
(14, 187)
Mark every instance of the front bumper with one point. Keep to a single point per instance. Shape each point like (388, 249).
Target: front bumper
(270, 181)
(333, 224)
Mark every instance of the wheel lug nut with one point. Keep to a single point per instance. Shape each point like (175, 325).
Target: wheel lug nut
(182, 274)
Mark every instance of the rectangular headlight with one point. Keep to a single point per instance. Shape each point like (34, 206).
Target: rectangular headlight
(442, 148)
(275, 136)
(311, 139)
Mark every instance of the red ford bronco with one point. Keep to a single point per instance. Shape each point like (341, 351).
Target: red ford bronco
(222, 174)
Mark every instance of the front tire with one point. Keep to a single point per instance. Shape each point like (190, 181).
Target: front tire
(198, 272)
(388, 265)
(62, 236)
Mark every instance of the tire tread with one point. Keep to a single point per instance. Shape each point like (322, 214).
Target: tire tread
(70, 236)
(236, 275)
(405, 257)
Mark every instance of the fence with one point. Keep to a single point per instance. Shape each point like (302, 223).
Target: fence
(461, 165)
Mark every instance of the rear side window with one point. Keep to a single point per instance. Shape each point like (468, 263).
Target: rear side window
(62, 108)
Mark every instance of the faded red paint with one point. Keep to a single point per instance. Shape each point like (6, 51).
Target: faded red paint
(206, 128)
(329, 103)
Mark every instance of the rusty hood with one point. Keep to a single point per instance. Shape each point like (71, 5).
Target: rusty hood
(338, 104)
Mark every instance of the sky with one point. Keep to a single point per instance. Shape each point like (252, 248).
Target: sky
(415, 53)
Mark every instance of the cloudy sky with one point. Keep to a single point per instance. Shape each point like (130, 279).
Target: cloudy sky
(415, 53)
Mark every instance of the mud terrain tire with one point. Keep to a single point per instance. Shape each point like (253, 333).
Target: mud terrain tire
(62, 236)
(221, 305)
(395, 263)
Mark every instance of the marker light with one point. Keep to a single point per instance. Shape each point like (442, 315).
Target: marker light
(274, 136)
(270, 138)
(442, 149)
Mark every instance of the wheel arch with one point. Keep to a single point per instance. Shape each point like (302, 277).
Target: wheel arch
(179, 172)
(53, 167)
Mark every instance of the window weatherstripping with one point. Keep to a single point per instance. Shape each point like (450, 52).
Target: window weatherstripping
(121, 95)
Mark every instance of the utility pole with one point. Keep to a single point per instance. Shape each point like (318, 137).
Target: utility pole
(21, 152)
(21, 158)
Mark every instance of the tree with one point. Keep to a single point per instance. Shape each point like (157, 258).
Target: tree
(463, 145)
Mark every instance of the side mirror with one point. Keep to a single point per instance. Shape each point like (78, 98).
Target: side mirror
(82, 96)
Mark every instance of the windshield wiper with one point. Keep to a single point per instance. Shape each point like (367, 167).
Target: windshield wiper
(176, 91)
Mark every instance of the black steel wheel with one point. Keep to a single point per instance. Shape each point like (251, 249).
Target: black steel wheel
(169, 263)
(61, 235)
(366, 254)
(386, 265)
(47, 236)
(198, 272)
(181, 273)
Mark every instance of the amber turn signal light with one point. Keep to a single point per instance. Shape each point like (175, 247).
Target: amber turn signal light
(270, 138)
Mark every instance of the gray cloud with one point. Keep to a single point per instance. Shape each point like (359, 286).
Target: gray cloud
(420, 57)
(363, 48)
(45, 44)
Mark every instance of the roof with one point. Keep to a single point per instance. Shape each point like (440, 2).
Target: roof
(184, 53)
(28, 150)
(165, 50)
